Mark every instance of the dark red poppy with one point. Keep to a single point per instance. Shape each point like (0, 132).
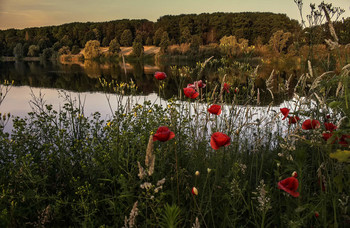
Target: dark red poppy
(285, 112)
(236, 90)
(190, 93)
(344, 140)
(218, 140)
(191, 86)
(215, 109)
(226, 87)
(310, 124)
(293, 119)
(290, 185)
(160, 75)
(200, 84)
(317, 214)
(163, 134)
(330, 127)
(327, 136)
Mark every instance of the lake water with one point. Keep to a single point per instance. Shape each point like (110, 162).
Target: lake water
(81, 82)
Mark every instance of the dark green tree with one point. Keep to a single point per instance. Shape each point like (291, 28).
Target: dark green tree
(158, 36)
(114, 46)
(164, 43)
(33, 50)
(185, 35)
(126, 38)
(18, 51)
(149, 41)
(47, 53)
(137, 47)
(196, 41)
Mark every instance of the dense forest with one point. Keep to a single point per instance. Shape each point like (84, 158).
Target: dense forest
(256, 28)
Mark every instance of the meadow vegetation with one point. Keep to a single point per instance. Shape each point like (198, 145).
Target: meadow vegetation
(207, 158)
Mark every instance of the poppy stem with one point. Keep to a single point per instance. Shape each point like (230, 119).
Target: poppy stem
(199, 210)
(177, 179)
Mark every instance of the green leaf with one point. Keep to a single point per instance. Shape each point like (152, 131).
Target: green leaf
(334, 104)
(341, 155)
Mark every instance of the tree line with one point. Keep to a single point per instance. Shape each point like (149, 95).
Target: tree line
(202, 29)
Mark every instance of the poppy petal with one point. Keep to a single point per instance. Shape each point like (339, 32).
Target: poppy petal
(213, 144)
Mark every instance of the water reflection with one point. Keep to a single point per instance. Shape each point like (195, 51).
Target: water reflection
(84, 76)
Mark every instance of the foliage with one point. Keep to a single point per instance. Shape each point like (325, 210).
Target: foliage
(18, 51)
(137, 47)
(33, 50)
(164, 43)
(278, 41)
(126, 38)
(114, 46)
(92, 49)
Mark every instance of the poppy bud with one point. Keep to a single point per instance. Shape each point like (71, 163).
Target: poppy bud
(197, 173)
(194, 191)
(294, 174)
(208, 170)
(317, 214)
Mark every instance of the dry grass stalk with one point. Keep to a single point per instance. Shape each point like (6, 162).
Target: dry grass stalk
(270, 81)
(150, 157)
(222, 88)
(310, 68)
(346, 67)
(142, 172)
(287, 84)
(339, 89)
(319, 79)
(131, 222)
(196, 224)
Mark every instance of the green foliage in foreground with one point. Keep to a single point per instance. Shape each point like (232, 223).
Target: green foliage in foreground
(62, 169)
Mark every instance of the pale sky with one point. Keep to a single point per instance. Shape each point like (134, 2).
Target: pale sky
(37, 13)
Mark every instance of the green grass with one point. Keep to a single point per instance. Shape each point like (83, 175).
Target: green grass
(61, 168)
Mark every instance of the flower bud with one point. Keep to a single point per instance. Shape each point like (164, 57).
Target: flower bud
(208, 170)
(194, 191)
(317, 214)
(197, 173)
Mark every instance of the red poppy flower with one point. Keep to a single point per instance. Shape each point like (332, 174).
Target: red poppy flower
(290, 185)
(310, 124)
(218, 140)
(191, 86)
(160, 75)
(190, 93)
(163, 134)
(215, 109)
(330, 127)
(236, 90)
(285, 112)
(344, 140)
(226, 87)
(293, 119)
(200, 84)
(327, 136)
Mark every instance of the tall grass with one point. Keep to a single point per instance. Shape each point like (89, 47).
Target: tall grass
(62, 168)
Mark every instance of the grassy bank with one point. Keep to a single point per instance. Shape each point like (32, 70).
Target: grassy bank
(61, 168)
